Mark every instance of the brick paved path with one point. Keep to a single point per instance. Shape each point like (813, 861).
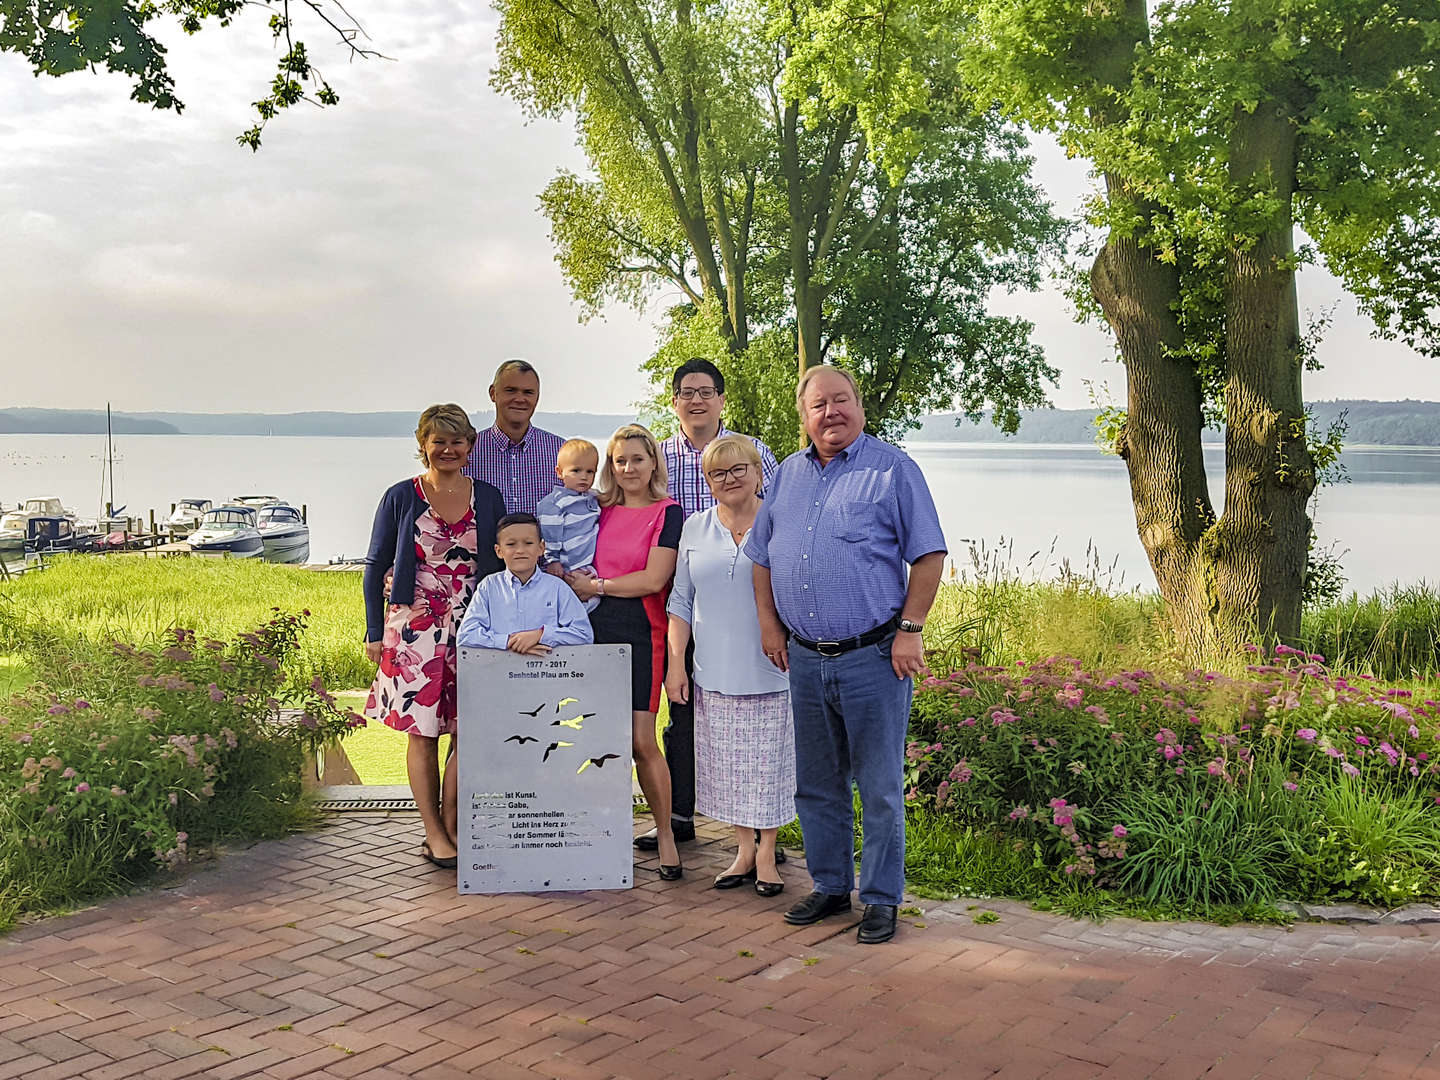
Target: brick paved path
(339, 954)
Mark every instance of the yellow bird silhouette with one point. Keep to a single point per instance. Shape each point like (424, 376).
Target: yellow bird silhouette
(574, 722)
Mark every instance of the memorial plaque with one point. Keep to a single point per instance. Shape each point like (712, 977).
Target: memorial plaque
(544, 770)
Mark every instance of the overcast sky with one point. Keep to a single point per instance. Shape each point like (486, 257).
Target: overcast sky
(380, 255)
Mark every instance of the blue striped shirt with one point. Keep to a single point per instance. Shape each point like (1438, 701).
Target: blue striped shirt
(838, 540)
(569, 524)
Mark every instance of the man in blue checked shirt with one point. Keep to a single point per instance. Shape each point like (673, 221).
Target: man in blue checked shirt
(698, 401)
(841, 524)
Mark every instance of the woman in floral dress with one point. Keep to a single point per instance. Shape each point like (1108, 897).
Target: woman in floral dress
(432, 541)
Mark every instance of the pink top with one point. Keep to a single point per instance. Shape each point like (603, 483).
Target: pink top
(627, 533)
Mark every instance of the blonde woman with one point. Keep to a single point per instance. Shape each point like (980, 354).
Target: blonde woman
(744, 736)
(433, 539)
(634, 562)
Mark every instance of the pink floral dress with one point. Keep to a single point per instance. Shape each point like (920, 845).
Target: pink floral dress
(414, 690)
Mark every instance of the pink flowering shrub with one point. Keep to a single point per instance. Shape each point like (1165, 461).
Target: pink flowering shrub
(1060, 757)
(109, 768)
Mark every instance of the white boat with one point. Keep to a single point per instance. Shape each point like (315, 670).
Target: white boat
(284, 533)
(228, 530)
(255, 502)
(16, 523)
(187, 515)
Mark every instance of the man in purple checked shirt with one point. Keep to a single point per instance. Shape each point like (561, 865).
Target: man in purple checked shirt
(841, 524)
(513, 454)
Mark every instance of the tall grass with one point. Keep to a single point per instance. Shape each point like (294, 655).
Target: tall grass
(1394, 633)
(1021, 609)
(83, 604)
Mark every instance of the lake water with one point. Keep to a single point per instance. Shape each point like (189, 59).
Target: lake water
(1049, 502)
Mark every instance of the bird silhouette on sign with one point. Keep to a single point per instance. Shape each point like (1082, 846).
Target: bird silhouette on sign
(554, 746)
(535, 711)
(574, 722)
(598, 762)
(522, 739)
(565, 701)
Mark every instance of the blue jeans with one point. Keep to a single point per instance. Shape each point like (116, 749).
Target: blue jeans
(851, 718)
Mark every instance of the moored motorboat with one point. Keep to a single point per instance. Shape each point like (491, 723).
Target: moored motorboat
(255, 502)
(228, 530)
(45, 533)
(187, 515)
(285, 535)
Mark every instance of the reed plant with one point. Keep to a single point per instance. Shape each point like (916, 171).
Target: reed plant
(85, 603)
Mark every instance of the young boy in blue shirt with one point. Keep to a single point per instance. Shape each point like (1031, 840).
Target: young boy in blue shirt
(519, 608)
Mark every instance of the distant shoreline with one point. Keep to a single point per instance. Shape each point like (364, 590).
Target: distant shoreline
(1413, 424)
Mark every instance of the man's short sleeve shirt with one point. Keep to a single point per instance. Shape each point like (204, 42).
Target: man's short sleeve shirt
(838, 540)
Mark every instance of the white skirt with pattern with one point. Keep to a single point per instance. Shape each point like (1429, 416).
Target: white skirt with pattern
(745, 758)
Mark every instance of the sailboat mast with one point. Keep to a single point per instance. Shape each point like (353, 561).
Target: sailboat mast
(110, 459)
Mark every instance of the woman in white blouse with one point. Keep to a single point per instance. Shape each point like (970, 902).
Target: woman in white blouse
(744, 736)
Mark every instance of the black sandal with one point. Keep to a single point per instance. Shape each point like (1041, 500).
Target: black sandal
(447, 863)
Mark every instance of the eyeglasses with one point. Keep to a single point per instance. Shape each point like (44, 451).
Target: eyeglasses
(734, 472)
(690, 393)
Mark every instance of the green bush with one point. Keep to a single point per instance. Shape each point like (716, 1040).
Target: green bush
(1199, 789)
(1193, 843)
(110, 768)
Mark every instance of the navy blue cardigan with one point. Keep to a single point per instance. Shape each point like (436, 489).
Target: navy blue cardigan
(392, 544)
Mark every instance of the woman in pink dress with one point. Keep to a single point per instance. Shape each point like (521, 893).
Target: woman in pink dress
(432, 541)
(634, 562)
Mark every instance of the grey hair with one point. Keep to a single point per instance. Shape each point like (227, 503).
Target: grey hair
(811, 372)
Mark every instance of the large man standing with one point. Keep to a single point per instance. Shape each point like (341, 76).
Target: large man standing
(698, 389)
(839, 525)
(513, 454)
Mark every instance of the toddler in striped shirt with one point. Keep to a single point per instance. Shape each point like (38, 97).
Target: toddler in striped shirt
(570, 515)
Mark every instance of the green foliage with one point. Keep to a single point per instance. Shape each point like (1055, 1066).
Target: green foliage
(1194, 789)
(81, 605)
(736, 159)
(1394, 633)
(112, 766)
(57, 38)
(1193, 844)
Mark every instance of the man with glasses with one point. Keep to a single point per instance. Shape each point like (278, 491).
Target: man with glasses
(698, 398)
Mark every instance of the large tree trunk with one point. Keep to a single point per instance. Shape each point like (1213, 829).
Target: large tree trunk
(1160, 440)
(1269, 474)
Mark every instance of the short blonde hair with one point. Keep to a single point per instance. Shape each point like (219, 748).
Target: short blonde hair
(451, 419)
(610, 493)
(571, 449)
(730, 450)
(810, 374)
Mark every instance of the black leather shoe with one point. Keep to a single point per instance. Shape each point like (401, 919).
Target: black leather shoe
(734, 881)
(878, 924)
(676, 872)
(684, 832)
(815, 907)
(769, 888)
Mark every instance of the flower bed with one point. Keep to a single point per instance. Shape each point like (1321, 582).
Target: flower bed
(1199, 790)
(112, 768)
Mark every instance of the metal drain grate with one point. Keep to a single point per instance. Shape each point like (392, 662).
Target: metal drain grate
(367, 805)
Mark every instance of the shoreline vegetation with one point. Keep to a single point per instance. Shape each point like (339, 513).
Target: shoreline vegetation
(1368, 423)
(1061, 753)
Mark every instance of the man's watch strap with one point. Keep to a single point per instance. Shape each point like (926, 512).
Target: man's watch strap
(908, 627)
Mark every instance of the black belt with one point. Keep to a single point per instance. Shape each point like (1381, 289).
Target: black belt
(838, 648)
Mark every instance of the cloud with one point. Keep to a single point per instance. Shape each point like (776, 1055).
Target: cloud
(373, 255)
